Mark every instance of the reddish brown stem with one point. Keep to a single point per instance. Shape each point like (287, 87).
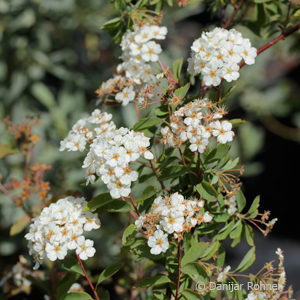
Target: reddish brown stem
(182, 157)
(133, 204)
(155, 173)
(87, 277)
(138, 276)
(198, 167)
(237, 8)
(276, 40)
(131, 212)
(218, 92)
(179, 270)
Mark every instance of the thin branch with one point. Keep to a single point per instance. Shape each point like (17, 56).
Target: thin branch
(87, 277)
(218, 92)
(155, 173)
(237, 8)
(138, 276)
(131, 212)
(198, 167)
(179, 270)
(133, 204)
(274, 41)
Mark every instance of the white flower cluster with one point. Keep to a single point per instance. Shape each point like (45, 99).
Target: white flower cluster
(171, 215)
(19, 273)
(110, 151)
(232, 204)
(60, 228)
(138, 51)
(217, 54)
(197, 122)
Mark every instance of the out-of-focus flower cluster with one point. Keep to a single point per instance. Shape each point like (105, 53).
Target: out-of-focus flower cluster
(217, 54)
(60, 228)
(171, 215)
(138, 51)
(110, 151)
(15, 281)
(197, 123)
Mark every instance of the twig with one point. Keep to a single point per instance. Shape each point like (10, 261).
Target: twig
(133, 204)
(131, 212)
(198, 167)
(87, 277)
(138, 276)
(155, 173)
(274, 41)
(182, 157)
(179, 270)
(218, 92)
(237, 8)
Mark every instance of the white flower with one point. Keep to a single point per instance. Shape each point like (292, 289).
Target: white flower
(223, 275)
(159, 33)
(127, 95)
(212, 75)
(256, 296)
(85, 248)
(158, 242)
(223, 131)
(150, 51)
(207, 217)
(56, 251)
(198, 144)
(230, 72)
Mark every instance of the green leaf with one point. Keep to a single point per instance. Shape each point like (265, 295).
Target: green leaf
(42, 93)
(181, 92)
(231, 164)
(224, 232)
(153, 281)
(249, 235)
(77, 296)
(211, 250)
(161, 111)
(241, 200)
(118, 206)
(196, 272)
(237, 122)
(6, 150)
(177, 66)
(254, 206)
(206, 191)
(98, 201)
(72, 265)
(19, 225)
(193, 253)
(221, 257)
(146, 123)
(129, 234)
(247, 261)
(64, 285)
(173, 172)
(147, 193)
(191, 295)
(109, 272)
(237, 230)
(217, 153)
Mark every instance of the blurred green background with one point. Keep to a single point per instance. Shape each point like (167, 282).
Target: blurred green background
(53, 56)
